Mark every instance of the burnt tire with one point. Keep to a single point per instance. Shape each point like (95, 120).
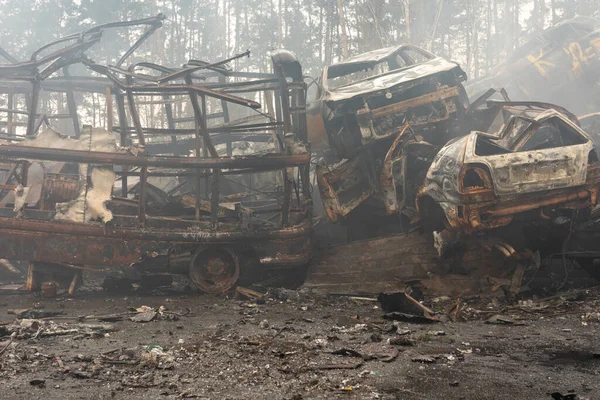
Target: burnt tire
(215, 270)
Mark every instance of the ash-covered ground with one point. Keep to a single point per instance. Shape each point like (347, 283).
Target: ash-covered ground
(296, 345)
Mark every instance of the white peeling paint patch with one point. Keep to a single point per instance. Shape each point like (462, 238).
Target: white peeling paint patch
(93, 208)
(20, 199)
(101, 140)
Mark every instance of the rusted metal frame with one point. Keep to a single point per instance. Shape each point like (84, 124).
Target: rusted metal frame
(443, 94)
(250, 85)
(204, 152)
(153, 28)
(284, 100)
(170, 121)
(135, 117)
(287, 196)
(214, 200)
(538, 104)
(226, 121)
(109, 110)
(302, 135)
(7, 56)
(198, 172)
(107, 158)
(11, 110)
(200, 119)
(152, 173)
(171, 88)
(143, 195)
(72, 108)
(287, 128)
(35, 94)
(157, 19)
(123, 136)
(239, 74)
(128, 73)
(240, 130)
(481, 100)
(81, 42)
(10, 105)
(39, 121)
(24, 173)
(300, 105)
(153, 235)
(9, 174)
(523, 205)
(199, 65)
(386, 180)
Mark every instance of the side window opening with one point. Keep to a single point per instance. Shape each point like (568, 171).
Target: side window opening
(552, 133)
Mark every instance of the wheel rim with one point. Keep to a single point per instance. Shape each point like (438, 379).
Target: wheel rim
(215, 270)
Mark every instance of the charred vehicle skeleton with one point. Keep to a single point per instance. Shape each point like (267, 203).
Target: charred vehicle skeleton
(367, 102)
(214, 187)
(534, 163)
(369, 97)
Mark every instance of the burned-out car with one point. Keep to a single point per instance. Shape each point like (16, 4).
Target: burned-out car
(533, 163)
(367, 102)
(369, 97)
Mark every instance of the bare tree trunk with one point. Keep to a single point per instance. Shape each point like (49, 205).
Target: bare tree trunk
(437, 20)
(407, 20)
(280, 26)
(342, 18)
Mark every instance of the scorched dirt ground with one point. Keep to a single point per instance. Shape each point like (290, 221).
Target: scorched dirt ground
(295, 345)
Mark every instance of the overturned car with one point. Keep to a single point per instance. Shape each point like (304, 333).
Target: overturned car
(534, 163)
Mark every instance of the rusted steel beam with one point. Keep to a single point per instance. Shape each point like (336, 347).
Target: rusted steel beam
(407, 104)
(143, 195)
(285, 100)
(72, 108)
(155, 23)
(161, 89)
(96, 157)
(197, 65)
(123, 136)
(35, 94)
(201, 120)
(135, 117)
(10, 105)
(109, 110)
(170, 121)
(214, 200)
(511, 209)
(150, 234)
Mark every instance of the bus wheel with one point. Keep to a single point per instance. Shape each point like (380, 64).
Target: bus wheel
(215, 270)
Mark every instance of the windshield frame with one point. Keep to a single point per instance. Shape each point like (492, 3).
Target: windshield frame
(363, 63)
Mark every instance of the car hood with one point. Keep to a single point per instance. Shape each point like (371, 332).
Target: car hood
(391, 79)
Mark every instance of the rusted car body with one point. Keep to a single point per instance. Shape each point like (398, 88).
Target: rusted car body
(533, 163)
(369, 97)
(211, 187)
(367, 102)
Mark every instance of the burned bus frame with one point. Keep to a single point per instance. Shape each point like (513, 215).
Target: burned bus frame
(210, 242)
